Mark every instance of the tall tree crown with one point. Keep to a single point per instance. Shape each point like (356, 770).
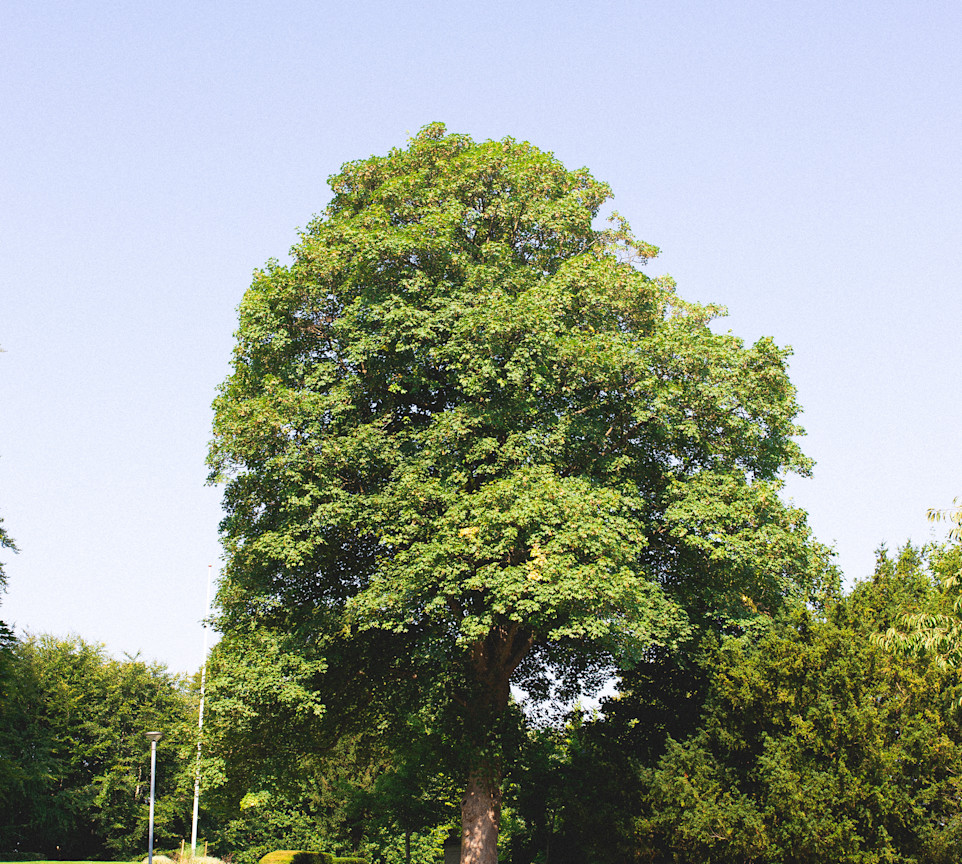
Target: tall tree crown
(462, 410)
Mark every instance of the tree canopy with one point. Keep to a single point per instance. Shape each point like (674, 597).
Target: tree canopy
(934, 629)
(74, 770)
(816, 744)
(468, 444)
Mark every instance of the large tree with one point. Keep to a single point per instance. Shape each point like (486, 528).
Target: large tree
(468, 444)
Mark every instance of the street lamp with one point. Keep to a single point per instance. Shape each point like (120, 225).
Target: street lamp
(154, 738)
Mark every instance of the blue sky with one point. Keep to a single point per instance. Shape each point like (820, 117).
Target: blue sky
(798, 163)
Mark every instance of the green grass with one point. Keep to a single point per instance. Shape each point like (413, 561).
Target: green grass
(127, 861)
(131, 861)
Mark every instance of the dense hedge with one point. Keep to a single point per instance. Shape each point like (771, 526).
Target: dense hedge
(290, 856)
(293, 856)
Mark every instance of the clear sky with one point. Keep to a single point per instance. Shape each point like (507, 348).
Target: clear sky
(797, 162)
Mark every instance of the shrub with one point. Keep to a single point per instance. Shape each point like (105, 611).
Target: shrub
(288, 856)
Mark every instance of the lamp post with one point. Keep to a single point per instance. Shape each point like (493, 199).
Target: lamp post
(154, 738)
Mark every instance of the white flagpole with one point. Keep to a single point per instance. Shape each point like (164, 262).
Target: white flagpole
(200, 726)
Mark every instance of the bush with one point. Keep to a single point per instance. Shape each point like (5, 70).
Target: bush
(289, 856)
(350, 860)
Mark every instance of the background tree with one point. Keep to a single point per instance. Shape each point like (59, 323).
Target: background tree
(951, 514)
(74, 734)
(580, 790)
(274, 776)
(467, 444)
(934, 629)
(815, 745)
(278, 772)
(6, 542)
(9, 771)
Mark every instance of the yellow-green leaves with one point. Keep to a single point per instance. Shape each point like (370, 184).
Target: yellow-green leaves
(952, 515)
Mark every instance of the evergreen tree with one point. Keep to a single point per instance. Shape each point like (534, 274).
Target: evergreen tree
(816, 745)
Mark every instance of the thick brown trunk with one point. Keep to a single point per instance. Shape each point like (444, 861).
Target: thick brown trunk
(494, 659)
(480, 819)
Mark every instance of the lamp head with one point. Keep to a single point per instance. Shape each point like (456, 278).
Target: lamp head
(154, 736)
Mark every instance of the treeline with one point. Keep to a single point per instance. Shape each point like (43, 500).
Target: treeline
(74, 779)
(796, 739)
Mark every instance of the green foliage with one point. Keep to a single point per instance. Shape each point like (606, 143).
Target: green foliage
(272, 773)
(578, 790)
(76, 757)
(262, 822)
(274, 776)
(952, 514)
(816, 746)
(467, 443)
(904, 583)
(6, 542)
(798, 740)
(296, 857)
(931, 626)
(6, 636)
(263, 791)
(390, 846)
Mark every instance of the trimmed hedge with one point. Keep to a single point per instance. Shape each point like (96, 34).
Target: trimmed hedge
(294, 856)
(291, 856)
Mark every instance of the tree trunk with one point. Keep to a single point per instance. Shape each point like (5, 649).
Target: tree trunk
(481, 818)
(493, 659)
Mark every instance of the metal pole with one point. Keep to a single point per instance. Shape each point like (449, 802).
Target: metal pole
(154, 738)
(200, 729)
